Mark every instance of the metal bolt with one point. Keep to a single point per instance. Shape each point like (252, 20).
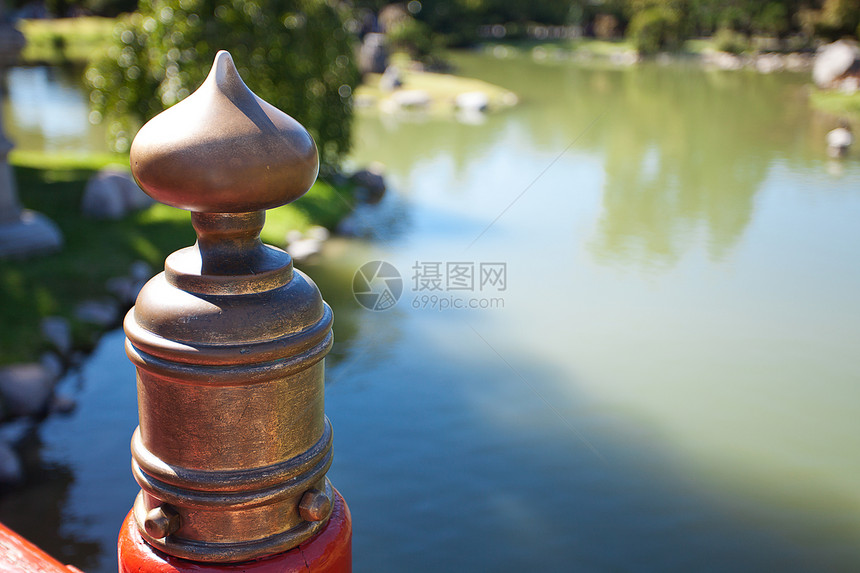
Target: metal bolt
(161, 521)
(315, 505)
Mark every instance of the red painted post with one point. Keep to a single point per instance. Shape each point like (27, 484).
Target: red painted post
(233, 445)
(18, 554)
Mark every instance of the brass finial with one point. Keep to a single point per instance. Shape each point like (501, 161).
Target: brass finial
(233, 443)
(224, 150)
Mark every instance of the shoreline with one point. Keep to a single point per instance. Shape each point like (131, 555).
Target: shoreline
(620, 54)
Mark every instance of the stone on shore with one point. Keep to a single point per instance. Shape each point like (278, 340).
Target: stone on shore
(103, 312)
(373, 55)
(31, 233)
(391, 79)
(472, 101)
(833, 61)
(26, 389)
(369, 183)
(410, 99)
(112, 194)
(304, 249)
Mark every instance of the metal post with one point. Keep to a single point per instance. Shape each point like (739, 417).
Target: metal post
(233, 445)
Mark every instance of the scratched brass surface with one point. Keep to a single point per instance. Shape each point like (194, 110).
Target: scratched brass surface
(233, 443)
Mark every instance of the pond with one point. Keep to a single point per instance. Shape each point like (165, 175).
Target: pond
(665, 373)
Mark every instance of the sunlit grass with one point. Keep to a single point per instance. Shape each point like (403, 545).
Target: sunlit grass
(65, 39)
(836, 103)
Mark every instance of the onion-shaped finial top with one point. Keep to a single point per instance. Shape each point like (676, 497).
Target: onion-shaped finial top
(224, 150)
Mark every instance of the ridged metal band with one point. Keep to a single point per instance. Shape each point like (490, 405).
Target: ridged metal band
(229, 375)
(181, 498)
(230, 552)
(147, 463)
(145, 341)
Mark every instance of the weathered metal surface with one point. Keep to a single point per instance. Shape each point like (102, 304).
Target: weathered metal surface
(330, 551)
(224, 150)
(233, 443)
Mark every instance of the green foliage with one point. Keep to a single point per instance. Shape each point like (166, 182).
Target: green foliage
(838, 18)
(836, 103)
(655, 21)
(654, 29)
(295, 54)
(416, 39)
(727, 40)
(772, 20)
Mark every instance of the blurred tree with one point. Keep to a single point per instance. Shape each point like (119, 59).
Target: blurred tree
(838, 18)
(772, 20)
(655, 28)
(295, 54)
(657, 21)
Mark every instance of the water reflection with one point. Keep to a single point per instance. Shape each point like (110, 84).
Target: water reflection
(82, 466)
(673, 176)
(38, 511)
(47, 109)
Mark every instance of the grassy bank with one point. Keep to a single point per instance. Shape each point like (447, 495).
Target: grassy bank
(441, 89)
(65, 40)
(836, 103)
(590, 46)
(95, 251)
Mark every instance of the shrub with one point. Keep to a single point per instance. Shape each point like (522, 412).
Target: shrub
(654, 29)
(295, 54)
(728, 40)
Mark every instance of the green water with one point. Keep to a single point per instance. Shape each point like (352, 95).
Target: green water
(672, 382)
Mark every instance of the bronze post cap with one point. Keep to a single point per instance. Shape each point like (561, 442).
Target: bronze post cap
(229, 342)
(224, 150)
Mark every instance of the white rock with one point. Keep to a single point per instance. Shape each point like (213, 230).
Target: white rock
(318, 233)
(373, 54)
(839, 141)
(391, 79)
(411, 98)
(849, 85)
(625, 58)
(102, 312)
(26, 389)
(294, 236)
(797, 62)
(472, 101)
(304, 249)
(112, 194)
(470, 117)
(727, 61)
(832, 61)
(768, 63)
